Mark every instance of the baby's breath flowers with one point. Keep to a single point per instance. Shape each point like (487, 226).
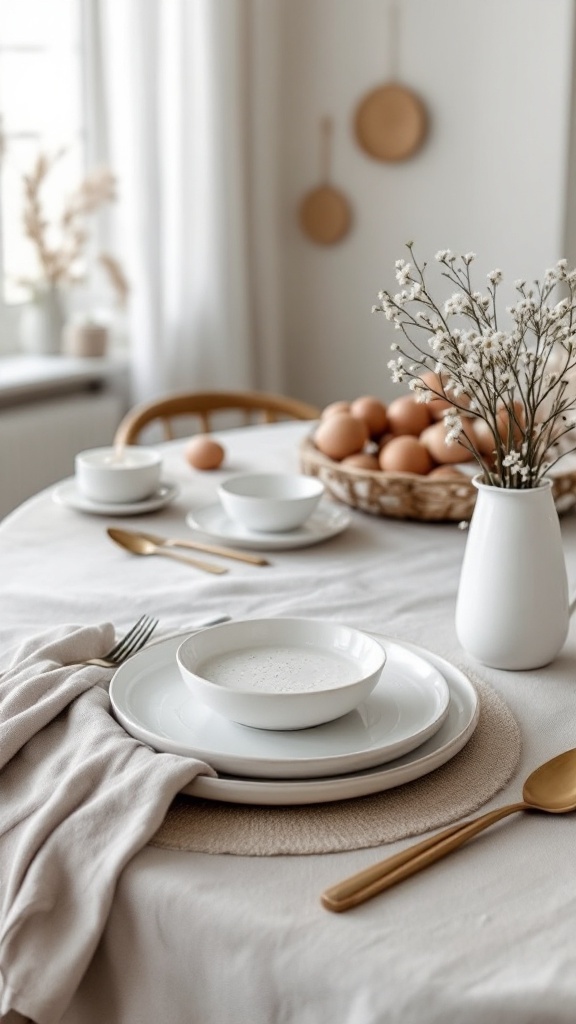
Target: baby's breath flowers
(510, 384)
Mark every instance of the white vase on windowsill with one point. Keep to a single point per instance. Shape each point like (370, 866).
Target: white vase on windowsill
(42, 322)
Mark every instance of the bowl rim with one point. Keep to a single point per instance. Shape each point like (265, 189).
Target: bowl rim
(376, 648)
(151, 457)
(315, 487)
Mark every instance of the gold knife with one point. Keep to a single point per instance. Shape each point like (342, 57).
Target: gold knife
(196, 545)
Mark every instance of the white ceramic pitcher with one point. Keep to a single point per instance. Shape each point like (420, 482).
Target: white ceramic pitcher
(512, 608)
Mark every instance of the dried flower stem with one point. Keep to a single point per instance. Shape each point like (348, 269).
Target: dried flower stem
(515, 381)
(59, 261)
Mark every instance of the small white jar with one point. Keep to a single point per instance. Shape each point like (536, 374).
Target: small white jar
(118, 475)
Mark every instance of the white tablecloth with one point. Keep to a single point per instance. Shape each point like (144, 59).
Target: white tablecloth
(488, 934)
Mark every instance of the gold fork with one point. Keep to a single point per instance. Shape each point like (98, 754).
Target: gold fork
(134, 640)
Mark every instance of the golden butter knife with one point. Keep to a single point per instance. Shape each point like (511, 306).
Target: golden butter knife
(196, 545)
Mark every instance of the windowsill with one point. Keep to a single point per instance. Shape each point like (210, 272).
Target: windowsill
(24, 378)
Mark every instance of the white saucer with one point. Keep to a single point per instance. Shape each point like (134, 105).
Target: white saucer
(327, 521)
(68, 494)
(408, 704)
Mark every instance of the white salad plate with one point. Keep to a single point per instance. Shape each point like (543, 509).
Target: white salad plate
(408, 704)
(327, 521)
(67, 494)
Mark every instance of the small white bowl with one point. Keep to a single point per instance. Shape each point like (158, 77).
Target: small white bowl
(123, 475)
(281, 674)
(270, 502)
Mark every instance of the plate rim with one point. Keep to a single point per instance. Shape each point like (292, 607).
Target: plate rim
(295, 792)
(300, 538)
(322, 766)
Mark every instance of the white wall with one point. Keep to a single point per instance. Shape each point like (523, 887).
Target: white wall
(492, 177)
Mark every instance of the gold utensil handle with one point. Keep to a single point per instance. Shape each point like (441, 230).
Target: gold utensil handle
(336, 898)
(215, 549)
(379, 877)
(206, 566)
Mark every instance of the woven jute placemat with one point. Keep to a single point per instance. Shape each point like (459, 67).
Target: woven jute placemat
(449, 793)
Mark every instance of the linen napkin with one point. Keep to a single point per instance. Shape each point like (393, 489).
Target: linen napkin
(78, 798)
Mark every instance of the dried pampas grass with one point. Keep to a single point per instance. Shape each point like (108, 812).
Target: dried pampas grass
(60, 247)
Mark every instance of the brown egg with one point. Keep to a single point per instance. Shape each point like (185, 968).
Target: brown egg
(434, 439)
(335, 407)
(438, 406)
(407, 416)
(340, 435)
(362, 460)
(372, 411)
(405, 454)
(448, 473)
(204, 453)
(484, 436)
(518, 422)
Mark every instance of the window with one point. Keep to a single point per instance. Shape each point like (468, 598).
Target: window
(42, 112)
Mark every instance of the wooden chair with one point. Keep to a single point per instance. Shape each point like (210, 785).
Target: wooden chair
(202, 406)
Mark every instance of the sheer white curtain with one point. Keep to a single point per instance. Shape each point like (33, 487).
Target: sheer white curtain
(179, 94)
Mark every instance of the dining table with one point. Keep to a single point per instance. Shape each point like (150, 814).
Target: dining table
(218, 917)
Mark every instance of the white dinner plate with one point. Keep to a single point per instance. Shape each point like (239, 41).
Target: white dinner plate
(68, 494)
(327, 521)
(452, 736)
(408, 704)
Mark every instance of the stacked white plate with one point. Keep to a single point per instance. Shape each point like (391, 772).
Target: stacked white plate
(421, 713)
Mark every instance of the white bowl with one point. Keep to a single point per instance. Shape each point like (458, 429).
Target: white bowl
(123, 475)
(281, 673)
(270, 502)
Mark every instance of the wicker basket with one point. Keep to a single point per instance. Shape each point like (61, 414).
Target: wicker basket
(408, 496)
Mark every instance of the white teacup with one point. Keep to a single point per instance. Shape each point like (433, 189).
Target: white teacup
(118, 475)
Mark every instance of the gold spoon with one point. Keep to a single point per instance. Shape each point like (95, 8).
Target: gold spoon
(550, 788)
(196, 545)
(139, 545)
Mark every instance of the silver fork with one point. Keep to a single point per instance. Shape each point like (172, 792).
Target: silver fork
(134, 640)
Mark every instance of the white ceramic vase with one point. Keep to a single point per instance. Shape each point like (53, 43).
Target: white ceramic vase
(42, 323)
(512, 607)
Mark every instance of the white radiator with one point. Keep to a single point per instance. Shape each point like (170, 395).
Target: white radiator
(39, 439)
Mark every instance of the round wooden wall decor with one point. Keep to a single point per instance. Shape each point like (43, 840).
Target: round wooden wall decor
(391, 123)
(325, 214)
